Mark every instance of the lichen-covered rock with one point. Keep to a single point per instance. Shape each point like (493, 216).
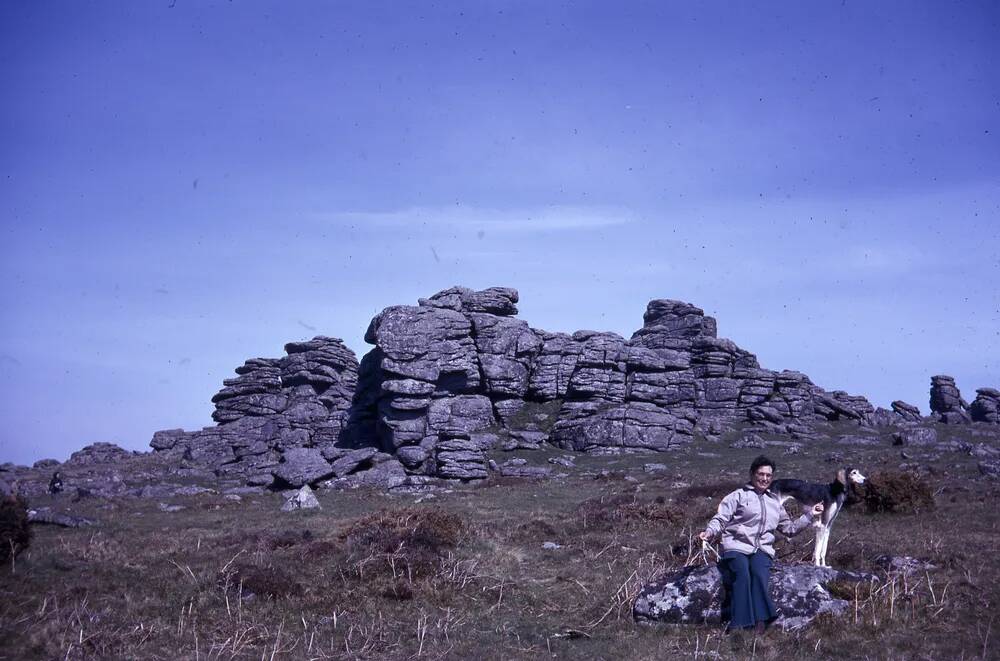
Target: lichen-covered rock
(301, 499)
(694, 595)
(915, 436)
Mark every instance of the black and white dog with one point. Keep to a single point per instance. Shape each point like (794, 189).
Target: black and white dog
(833, 496)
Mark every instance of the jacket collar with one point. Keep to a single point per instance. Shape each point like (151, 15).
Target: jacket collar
(767, 491)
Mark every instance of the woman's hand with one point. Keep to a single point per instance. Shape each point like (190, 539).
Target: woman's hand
(704, 536)
(817, 510)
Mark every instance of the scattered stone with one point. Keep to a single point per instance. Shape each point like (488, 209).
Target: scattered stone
(850, 439)
(902, 564)
(915, 436)
(524, 440)
(301, 499)
(47, 516)
(164, 507)
(564, 460)
(526, 471)
(551, 546)
(654, 468)
(749, 440)
(990, 469)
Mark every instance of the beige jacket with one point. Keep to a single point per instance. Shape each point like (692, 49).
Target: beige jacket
(747, 521)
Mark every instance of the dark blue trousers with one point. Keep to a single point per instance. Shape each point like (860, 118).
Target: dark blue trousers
(747, 578)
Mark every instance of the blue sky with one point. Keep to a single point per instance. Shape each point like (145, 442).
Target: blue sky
(185, 185)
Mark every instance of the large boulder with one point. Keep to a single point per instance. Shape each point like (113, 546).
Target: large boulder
(695, 595)
(303, 466)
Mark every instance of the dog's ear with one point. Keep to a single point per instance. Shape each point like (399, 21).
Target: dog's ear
(842, 476)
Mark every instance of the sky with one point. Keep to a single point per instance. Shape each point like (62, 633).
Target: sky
(186, 185)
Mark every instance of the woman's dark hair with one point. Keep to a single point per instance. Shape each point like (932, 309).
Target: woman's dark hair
(761, 461)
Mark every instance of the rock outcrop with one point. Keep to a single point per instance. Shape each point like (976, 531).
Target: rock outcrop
(908, 412)
(986, 407)
(946, 401)
(276, 417)
(695, 595)
(458, 374)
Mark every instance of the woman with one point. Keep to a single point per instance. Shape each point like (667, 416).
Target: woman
(747, 519)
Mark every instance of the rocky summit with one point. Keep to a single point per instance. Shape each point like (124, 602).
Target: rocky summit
(459, 374)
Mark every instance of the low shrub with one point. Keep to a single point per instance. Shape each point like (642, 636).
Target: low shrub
(267, 582)
(15, 531)
(895, 492)
(412, 538)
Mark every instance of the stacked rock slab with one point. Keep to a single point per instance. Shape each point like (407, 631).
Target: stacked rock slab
(439, 373)
(908, 412)
(454, 375)
(278, 416)
(947, 404)
(451, 376)
(986, 407)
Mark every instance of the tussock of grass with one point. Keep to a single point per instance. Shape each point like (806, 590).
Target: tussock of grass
(626, 511)
(270, 582)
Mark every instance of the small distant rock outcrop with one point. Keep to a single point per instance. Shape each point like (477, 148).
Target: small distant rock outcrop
(986, 406)
(99, 453)
(946, 401)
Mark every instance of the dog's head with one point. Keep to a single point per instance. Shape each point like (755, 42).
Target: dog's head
(848, 476)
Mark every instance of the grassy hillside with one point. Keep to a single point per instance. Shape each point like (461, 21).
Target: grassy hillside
(463, 574)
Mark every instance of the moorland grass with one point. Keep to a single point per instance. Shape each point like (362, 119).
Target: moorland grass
(465, 575)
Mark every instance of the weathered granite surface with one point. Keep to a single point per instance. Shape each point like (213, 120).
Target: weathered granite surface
(460, 372)
(276, 417)
(946, 401)
(456, 375)
(694, 595)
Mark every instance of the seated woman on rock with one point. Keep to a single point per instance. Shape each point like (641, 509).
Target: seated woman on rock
(747, 519)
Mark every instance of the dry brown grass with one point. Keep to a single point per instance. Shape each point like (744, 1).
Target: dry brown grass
(466, 576)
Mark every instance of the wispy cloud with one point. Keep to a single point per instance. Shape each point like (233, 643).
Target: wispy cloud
(553, 218)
